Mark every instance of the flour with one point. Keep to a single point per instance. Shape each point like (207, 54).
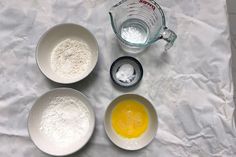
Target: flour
(71, 58)
(125, 73)
(65, 121)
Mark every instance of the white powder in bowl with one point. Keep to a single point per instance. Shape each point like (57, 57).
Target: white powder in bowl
(125, 73)
(65, 121)
(71, 58)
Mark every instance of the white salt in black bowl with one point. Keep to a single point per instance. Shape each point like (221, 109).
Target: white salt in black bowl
(56, 35)
(126, 72)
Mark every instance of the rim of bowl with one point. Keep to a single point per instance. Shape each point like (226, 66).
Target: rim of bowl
(43, 36)
(105, 124)
(92, 113)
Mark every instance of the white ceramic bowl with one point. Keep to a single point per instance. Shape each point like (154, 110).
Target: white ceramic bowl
(34, 119)
(135, 143)
(54, 36)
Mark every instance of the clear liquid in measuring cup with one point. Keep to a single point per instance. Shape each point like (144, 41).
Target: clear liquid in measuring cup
(134, 31)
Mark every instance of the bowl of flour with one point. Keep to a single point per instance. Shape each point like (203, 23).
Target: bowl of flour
(61, 122)
(67, 53)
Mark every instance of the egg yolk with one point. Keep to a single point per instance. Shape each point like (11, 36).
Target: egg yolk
(129, 119)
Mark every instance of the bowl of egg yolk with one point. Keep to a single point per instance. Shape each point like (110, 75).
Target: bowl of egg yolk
(131, 122)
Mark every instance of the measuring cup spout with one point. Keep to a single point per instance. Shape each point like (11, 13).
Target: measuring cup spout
(111, 13)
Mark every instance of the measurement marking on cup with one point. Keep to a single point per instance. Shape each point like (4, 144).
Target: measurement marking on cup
(134, 3)
(147, 3)
(132, 10)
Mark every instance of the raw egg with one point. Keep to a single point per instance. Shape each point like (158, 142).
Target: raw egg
(129, 118)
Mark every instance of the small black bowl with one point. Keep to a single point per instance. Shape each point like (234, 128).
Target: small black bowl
(138, 71)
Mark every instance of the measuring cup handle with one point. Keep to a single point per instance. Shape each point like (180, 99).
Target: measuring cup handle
(169, 36)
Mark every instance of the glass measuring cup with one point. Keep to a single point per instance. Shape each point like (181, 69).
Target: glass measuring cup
(139, 23)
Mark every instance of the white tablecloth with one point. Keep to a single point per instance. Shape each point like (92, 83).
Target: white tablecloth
(190, 87)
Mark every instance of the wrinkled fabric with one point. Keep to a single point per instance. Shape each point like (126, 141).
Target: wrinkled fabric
(190, 86)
